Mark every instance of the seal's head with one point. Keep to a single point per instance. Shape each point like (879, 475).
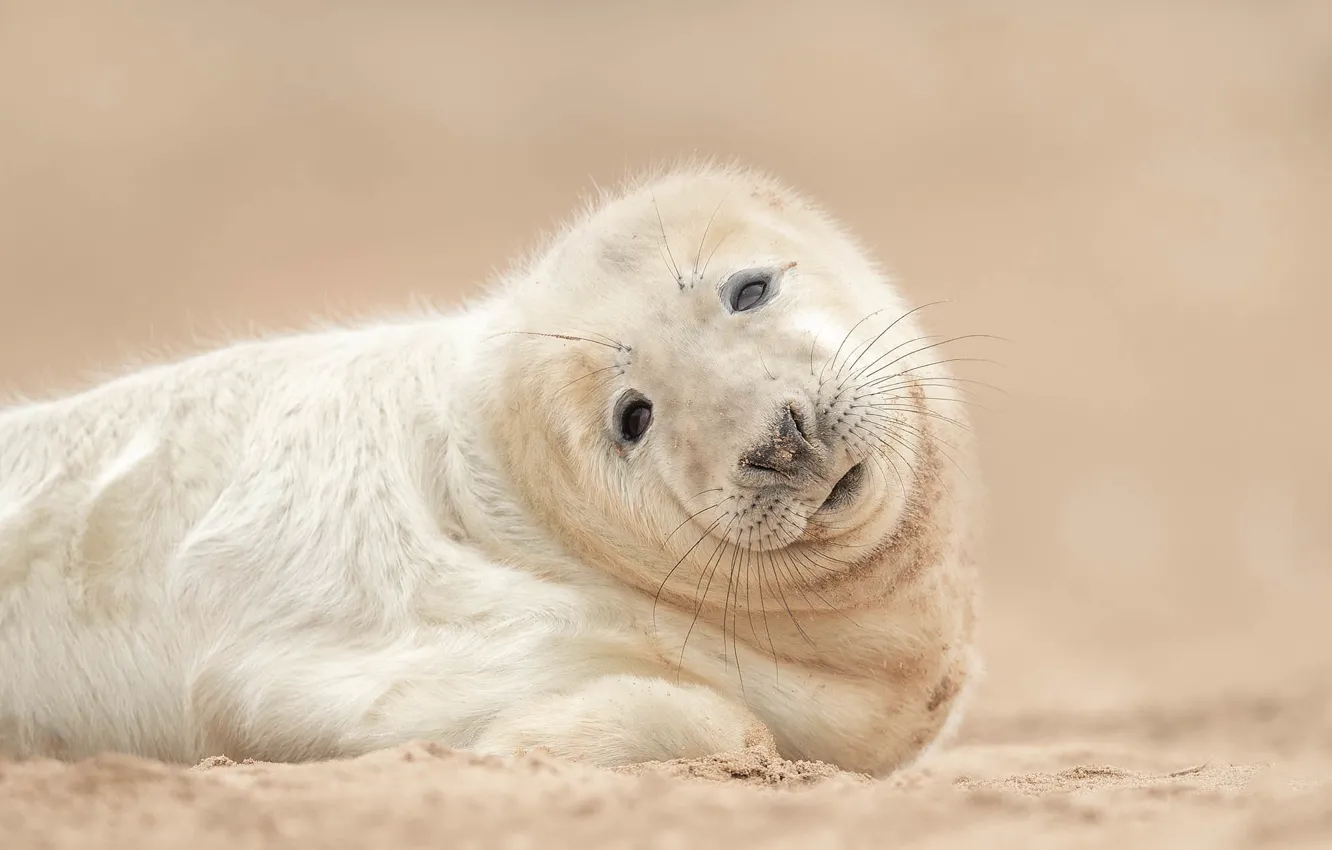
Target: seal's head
(708, 368)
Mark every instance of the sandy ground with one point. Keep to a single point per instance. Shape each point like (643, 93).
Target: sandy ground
(1138, 195)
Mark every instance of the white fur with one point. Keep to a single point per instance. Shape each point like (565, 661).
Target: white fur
(319, 544)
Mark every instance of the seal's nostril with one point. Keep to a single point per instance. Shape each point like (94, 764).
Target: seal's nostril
(787, 450)
(798, 420)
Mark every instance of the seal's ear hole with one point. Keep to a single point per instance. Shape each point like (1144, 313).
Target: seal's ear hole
(633, 416)
(749, 289)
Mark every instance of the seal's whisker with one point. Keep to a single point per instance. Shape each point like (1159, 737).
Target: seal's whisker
(704, 492)
(895, 395)
(941, 381)
(657, 596)
(609, 339)
(887, 432)
(767, 627)
(855, 377)
(849, 367)
(588, 375)
(600, 383)
(880, 436)
(733, 586)
(709, 571)
(820, 559)
(857, 351)
(885, 428)
(566, 337)
(881, 408)
(803, 583)
(704, 271)
(813, 344)
(866, 374)
(926, 366)
(726, 604)
(878, 456)
(922, 383)
(937, 442)
(707, 227)
(794, 530)
(913, 429)
(838, 352)
(666, 244)
(829, 606)
(873, 455)
(811, 520)
(711, 507)
(763, 611)
(781, 593)
(781, 560)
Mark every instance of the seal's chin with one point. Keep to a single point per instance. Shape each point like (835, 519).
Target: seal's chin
(845, 490)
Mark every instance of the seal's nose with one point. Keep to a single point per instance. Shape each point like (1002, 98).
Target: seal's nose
(787, 452)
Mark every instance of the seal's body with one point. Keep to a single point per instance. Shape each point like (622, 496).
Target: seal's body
(692, 472)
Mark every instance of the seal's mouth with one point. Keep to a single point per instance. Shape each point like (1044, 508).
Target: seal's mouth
(845, 489)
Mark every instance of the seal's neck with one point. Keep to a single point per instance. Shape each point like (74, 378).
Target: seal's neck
(472, 500)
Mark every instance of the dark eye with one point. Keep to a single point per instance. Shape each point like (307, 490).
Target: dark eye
(748, 295)
(751, 288)
(635, 419)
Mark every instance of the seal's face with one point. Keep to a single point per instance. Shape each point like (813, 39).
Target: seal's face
(744, 414)
(735, 377)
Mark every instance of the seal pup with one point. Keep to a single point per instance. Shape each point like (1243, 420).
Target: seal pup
(689, 477)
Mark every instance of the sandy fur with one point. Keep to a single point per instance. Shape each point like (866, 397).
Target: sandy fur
(322, 544)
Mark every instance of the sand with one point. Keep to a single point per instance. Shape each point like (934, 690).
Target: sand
(1028, 792)
(1138, 195)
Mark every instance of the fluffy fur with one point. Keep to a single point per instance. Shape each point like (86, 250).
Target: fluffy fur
(319, 544)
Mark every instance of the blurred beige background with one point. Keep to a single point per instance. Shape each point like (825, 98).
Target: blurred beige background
(1137, 194)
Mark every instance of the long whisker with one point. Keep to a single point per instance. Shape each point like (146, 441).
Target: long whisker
(937, 443)
(847, 368)
(801, 582)
(915, 410)
(894, 394)
(830, 606)
(941, 381)
(666, 243)
(927, 382)
(909, 370)
(866, 374)
(780, 558)
(883, 443)
(811, 520)
(838, 352)
(763, 609)
(794, 532)
(610, 339)
(567, 337)
(709, 571)
(855, 434)
(892, 421)
(657, 597)
(588, 375)
(781, 592)
(706, 228)
(765, 365)
(713, 252)
(704, 493)
(733, 581)
(711, 507)
(601, 382)
(926, 348)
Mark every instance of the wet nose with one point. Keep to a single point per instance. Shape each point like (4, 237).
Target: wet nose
(787, 451)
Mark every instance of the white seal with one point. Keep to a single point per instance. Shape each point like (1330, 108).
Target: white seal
(691, 476)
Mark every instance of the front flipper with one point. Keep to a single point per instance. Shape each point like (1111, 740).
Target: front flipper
(625, 719)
